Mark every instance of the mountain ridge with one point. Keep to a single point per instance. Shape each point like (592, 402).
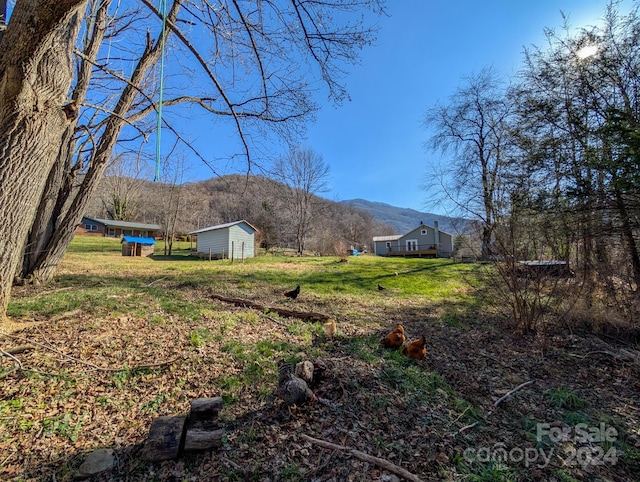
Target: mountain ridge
(404, 220)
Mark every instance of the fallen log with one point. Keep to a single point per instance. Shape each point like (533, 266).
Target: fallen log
(303, 315)
(203, 438)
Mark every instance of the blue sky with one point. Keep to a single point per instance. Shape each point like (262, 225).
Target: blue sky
(374, 144)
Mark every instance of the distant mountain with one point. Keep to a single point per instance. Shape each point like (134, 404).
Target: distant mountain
(404, 220)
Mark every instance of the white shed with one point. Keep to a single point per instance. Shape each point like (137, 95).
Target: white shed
(230, 240)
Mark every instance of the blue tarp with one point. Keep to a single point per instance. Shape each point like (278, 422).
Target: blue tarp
(138, 240)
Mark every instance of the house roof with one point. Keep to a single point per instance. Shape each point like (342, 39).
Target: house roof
(395, 237)
(124, 224)
(392, 237)
(138, 240)
(223, 226)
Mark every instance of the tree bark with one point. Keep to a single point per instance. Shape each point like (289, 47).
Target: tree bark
(35, 75)
(60, 237)
(59, 185)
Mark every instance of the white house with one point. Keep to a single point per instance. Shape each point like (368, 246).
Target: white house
(230, 240)
(421, 241)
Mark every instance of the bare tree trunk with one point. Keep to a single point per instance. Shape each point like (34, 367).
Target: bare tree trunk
(35, 75)
(52, 252)
(59, 185)
(57, 190)
(627, 236)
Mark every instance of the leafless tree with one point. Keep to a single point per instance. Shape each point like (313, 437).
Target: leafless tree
(472, 129)
(305, 174)
(122, 184)
(173, 199)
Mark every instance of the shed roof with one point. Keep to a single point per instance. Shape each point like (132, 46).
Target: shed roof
(138, 240)
(124, 224)
(222, 226)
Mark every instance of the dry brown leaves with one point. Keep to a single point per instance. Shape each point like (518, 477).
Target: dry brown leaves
(98, 382)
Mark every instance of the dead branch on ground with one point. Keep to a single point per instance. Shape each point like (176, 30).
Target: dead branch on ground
(385, 464)
(303, 315)
(511, 392)
(16, 350)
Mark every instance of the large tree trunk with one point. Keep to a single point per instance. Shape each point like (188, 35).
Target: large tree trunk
(59, 186)
(35, 76)
(73, 203)
(56, 191)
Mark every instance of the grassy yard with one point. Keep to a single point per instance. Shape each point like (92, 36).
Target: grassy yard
(117, 341)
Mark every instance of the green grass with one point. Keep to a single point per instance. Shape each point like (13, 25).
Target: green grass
(565, 398)
(200, 337)
(95, 278)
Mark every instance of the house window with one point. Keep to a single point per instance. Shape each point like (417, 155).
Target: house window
(112, 232)
(127, 232)
(423, 232)
(91, 227)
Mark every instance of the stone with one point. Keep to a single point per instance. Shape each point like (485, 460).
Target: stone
(95, 462)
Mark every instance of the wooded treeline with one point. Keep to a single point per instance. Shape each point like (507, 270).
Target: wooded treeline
(550, 164)
(335, 227)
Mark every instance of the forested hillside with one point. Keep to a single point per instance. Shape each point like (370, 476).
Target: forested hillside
(265, 203)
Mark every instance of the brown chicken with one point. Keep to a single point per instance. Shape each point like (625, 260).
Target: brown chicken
(330, 328)
(394, 339)
(293, 294)
(291, 389)
(417, 349)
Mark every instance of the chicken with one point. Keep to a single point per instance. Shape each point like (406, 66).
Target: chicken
(291, 389)
(417, 349)
(293, 294)
(304, 370)
(394, 339)
(330, 328)
(380, 288)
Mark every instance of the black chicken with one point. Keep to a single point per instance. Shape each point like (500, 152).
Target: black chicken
(293, 294)
(291, 389)
(381, 288)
